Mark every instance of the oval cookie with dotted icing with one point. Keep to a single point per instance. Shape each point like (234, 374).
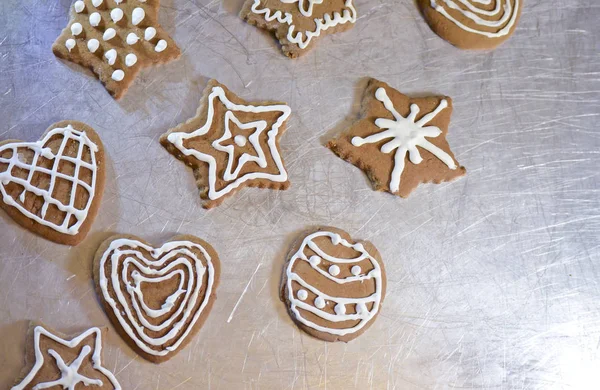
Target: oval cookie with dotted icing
(472, 24)
(53, 186)
(157, 297)
(332, 285)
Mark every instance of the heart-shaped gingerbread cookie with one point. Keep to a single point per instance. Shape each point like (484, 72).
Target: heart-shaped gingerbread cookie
(53, 187)
(157, 297)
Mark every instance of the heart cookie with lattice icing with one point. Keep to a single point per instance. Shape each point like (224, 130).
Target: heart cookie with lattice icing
(157, 297)
(115, 39)
(53, 187)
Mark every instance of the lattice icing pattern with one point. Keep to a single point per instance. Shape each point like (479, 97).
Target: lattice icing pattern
(341, 315)
(37, 169)
(489, 18)
(116, 38)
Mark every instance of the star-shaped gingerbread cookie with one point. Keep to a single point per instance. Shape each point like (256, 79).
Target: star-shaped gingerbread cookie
(400, 142)
(57, 363)
(298, 23)
(115, 39)
(230, 144)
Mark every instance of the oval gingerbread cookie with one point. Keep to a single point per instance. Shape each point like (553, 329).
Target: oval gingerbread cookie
(472, 24)
(333, 286)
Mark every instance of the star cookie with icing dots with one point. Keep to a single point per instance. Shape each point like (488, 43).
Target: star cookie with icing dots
(231, 144)
(297, 24)
(55, 362)
(400, 142)
(115, 39)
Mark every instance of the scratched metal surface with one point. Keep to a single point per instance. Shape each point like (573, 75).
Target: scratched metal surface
(493, 280)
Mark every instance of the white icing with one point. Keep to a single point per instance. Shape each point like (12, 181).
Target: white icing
(302, 294)
(314, 260)
(334, 270)
(363, 315)
(240, 140)
(178, 138)
(124, 252)
(149, 33)
(132, 39)
(302, 39)
(116, 14)
(39, 149)
(70, 377)
(76, 29)
(95, 19)
(406, 134)
(130, 59)
(118, 75)
(137, 16)
(70, 44)
(109, 34)
(160, 46)
(502, 17)
(97, 3)
(111, 56)
(79, 6)
(355, 270)
(93, 45)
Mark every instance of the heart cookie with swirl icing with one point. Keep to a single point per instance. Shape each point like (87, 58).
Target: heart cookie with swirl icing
(157, 298)
(53, 186)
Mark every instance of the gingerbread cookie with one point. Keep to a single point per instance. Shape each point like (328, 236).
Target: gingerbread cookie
(231, 144)
(53, 187)
(472, 24)
(392, 122)
(115, 39)
(157, 298)
(333, 287)
(298, 23)
(57, 363)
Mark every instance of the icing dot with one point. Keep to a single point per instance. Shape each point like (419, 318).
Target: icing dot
(111, 56)
(130, 59)
(95, 19)
(137, 16)
(359, 247)
(149, 33)
(240, 140)
(336, 239)
(302, 294)
(118, 75)
(120, 1)
(116, 14)
(76, 28)
(93, 45)
(96, 3)
(340, 309)
(109, 34)
(355, 270)
(70, 44)
(161, 45)
(79, 6)
(361, 308)
(319, 302)
(334, 270)
(132, 39)
(314, 260)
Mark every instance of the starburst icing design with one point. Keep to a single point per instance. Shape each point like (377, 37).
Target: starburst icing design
(250, 159)
(70, 377)
(406, 134)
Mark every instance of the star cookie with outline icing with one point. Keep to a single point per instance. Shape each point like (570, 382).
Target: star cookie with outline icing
(297, 24)
(56, 362)
(115, 39)
(400, 142)
(231, 144)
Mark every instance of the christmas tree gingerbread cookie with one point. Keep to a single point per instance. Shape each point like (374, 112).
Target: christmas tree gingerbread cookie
(157, 297)
(115, 39)
(297, 24)
(400, 142)
(332, 285)
(472, 24)
(53, 186)
(57, 362)
(231, 144)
